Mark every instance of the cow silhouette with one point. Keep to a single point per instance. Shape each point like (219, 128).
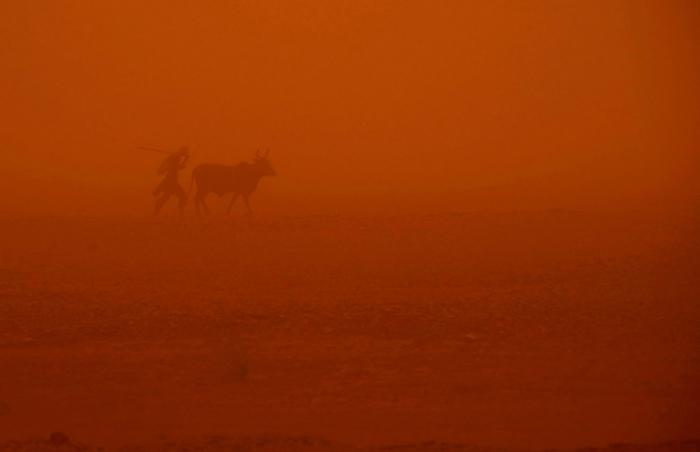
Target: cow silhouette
(241, 180)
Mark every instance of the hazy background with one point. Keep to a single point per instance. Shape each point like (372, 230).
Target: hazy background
(366, 105)
(549, 302)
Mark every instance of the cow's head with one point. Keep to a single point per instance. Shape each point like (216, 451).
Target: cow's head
(263, 165)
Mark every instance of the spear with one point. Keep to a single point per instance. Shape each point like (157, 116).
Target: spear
(162, 151)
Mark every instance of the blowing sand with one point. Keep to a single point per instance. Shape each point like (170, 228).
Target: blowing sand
(507, 330)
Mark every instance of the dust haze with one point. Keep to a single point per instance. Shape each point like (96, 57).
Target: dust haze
(489, 104)
(482, 228)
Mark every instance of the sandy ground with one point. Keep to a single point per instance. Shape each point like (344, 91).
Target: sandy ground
(508, 330)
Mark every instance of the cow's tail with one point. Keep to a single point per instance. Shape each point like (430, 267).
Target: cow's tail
(189, 191)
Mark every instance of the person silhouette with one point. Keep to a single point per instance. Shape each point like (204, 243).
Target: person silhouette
(170, 186)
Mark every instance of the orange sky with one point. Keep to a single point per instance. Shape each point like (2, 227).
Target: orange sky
(575, 103)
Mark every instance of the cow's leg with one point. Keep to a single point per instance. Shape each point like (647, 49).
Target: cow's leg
(201, 206)
(204, 204)
(160, 202)
(247, 204)
(198, 203)
(233, 200)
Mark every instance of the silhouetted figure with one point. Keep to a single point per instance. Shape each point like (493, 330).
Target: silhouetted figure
(241, 179)
(170, 186)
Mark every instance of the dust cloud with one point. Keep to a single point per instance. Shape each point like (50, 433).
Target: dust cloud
(457, 104)
(477, 225)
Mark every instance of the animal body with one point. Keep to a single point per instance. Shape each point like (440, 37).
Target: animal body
(241, 180)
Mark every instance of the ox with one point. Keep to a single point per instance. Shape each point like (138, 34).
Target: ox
(241, 179)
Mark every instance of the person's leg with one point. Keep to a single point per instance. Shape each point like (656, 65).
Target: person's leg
(182, 200)
(160, 202)
(159, 189)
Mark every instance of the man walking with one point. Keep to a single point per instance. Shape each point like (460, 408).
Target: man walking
(170, 186)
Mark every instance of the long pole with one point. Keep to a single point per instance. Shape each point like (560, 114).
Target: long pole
(162, 151)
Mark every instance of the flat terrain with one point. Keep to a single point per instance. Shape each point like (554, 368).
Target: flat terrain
(510, 330)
